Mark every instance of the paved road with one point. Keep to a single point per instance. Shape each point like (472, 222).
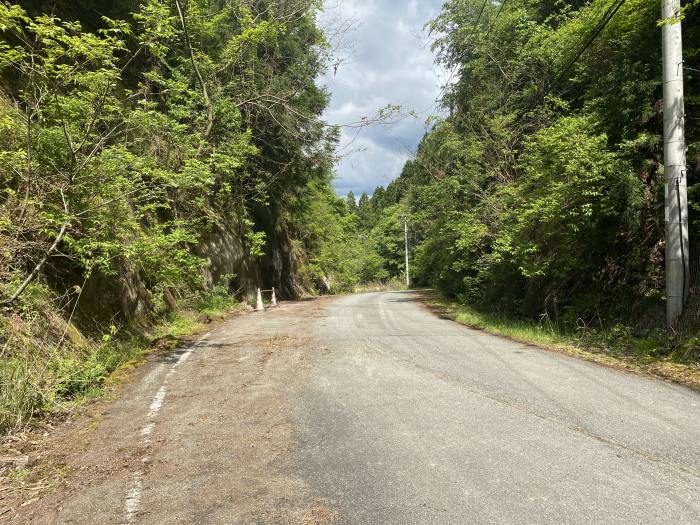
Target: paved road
(369, 409)
(415, 419)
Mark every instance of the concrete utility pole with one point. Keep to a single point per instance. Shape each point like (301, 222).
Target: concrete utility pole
(677, 253)
(405, 237)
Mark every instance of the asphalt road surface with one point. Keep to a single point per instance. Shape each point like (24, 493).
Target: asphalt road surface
(370, 409)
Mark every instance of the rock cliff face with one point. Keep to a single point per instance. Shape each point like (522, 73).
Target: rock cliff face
(125, 296)
(280, 264)
(225, 255)
(107, 299)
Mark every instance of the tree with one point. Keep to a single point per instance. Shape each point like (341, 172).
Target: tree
(545, 172)
(351, 202)
(146, 156)
(365, 213)
(377, 200)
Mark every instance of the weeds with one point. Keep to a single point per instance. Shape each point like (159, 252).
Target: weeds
(23, 392)
(44, 371)
(34, 383)
(216, 302)
(614, 346)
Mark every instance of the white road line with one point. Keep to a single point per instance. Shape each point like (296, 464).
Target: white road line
(153, 375)
(157, 403)
(185, 356)
(148, 429)
(133, 498)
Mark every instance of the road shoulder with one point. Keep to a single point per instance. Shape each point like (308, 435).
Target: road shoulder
(221, 440)
(686, 374)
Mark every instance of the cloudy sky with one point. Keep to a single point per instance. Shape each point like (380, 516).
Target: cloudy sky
(385, 59)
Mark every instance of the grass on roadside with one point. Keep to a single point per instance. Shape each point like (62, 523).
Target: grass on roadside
(48, 367)
(614, 347)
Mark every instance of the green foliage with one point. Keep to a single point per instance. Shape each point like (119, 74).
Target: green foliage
(130, 143)
(126, 143)
(387, 238)
(571, 188)
(218, 300)
(351, 202)
(541, 195)
(327, 233)
(48, 363)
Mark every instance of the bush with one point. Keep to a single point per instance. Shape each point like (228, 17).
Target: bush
(219, 299)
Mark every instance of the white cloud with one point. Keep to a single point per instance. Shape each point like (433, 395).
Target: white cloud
(390, 62)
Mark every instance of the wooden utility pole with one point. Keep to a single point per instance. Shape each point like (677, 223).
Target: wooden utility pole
(676, 195)
(405, 237)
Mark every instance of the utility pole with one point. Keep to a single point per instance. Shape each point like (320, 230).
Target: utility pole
(405, 237)
(676, 194)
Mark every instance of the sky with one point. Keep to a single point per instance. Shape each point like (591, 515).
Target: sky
(385, 58)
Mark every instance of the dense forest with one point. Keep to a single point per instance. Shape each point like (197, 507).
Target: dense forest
(540, 195)
(166, 155)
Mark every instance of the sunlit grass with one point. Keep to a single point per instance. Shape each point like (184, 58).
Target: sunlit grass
(613, 347)
(395, 284)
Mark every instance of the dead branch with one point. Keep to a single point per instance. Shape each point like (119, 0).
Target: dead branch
(47, 254)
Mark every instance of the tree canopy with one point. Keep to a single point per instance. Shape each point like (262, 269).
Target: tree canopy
(541, 191)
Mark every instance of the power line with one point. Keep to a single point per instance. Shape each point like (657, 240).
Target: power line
(602, 24)
(480, 13)
(493, 22)
(478, 19)
(605, 15)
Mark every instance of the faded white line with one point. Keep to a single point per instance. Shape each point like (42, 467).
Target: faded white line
(133, 498)
(153, 375)
(157, 403)
(148, 429)
(185, 356)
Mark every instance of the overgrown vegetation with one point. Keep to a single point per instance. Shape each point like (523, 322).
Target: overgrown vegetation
(59, 367)
(539, 199)
(156, 157)
(349, 250)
